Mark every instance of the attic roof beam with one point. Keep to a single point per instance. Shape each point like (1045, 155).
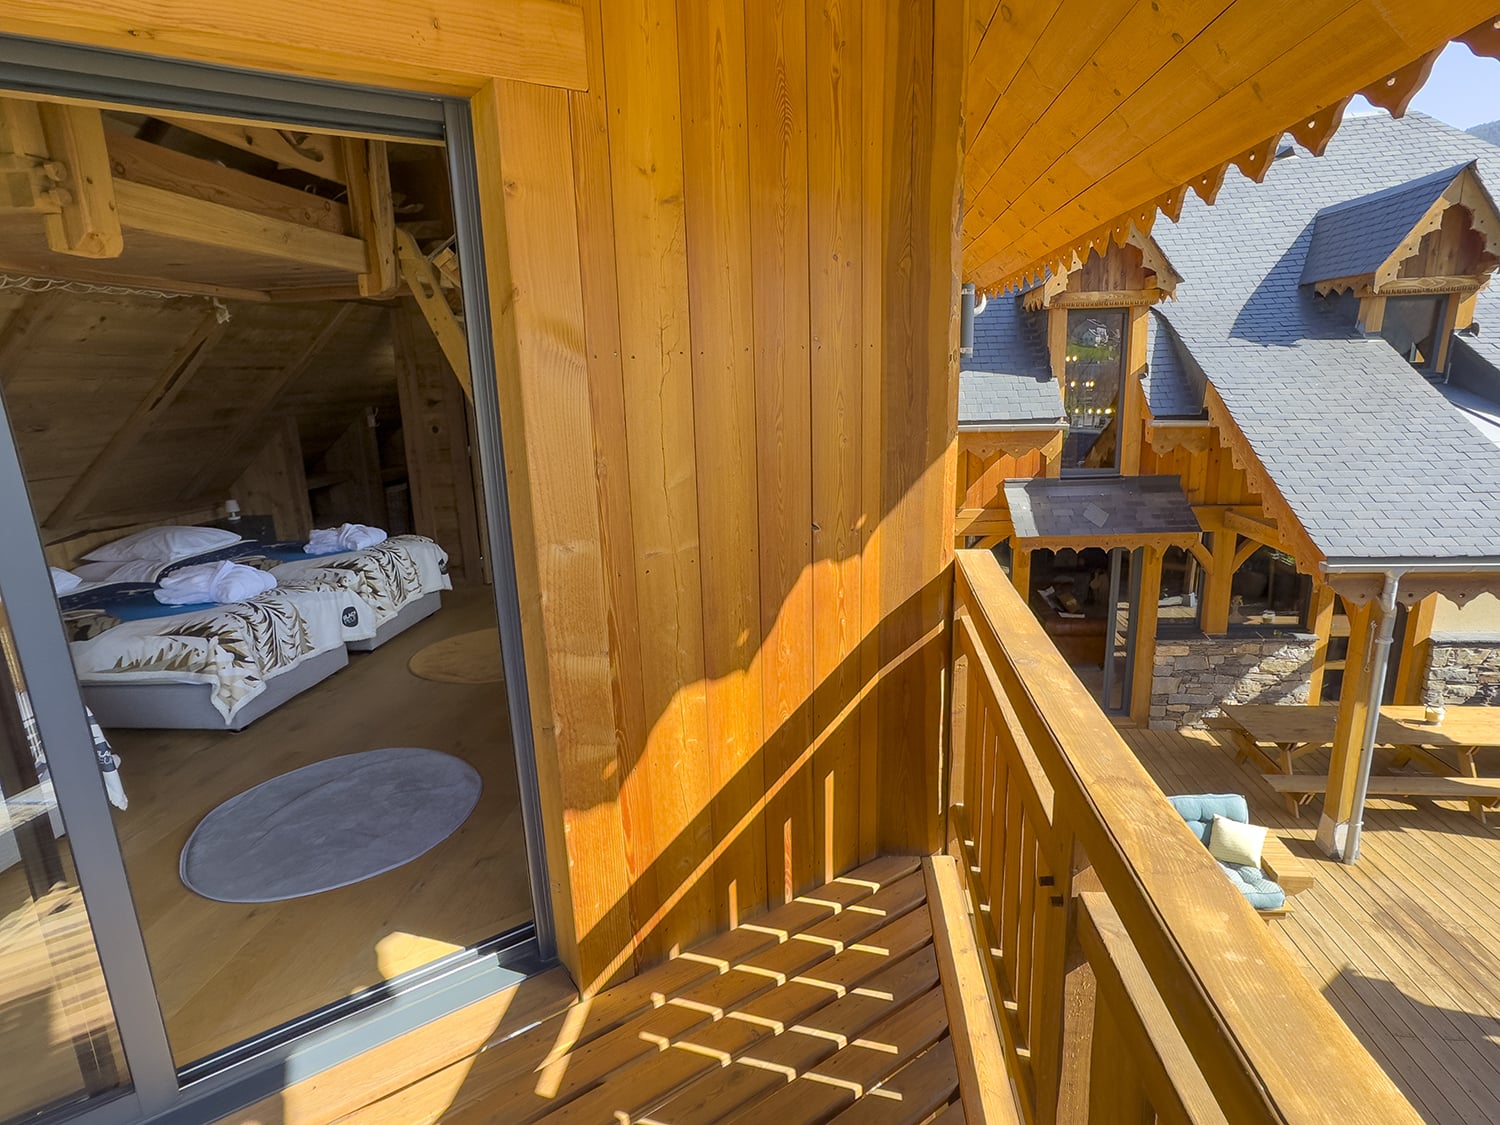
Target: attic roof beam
(313, 153)
(426, 286)
(185, 363)
(157, 211)
(253, 417)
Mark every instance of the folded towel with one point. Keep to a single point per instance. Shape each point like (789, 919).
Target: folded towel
(346, 537)
(213, 582)
(64, 581)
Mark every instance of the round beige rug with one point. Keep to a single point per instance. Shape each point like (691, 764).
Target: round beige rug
(469, 658)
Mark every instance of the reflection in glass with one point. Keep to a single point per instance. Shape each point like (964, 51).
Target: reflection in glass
(1413, 326)
(1094, 372)
(1267, 590)
(58, 1041)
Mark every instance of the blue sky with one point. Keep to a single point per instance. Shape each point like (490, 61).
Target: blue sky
(1464, 90)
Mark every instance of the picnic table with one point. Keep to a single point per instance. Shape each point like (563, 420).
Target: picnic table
(1277, 735)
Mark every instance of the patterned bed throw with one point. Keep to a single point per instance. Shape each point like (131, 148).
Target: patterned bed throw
(389, 576)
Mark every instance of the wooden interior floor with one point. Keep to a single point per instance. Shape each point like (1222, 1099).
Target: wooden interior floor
(1405, 944)
(225, 971)
(829, 1008)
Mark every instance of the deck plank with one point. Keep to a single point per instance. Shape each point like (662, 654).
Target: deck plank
(1403, 943)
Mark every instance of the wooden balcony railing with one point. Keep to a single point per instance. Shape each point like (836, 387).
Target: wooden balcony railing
(1132, 981)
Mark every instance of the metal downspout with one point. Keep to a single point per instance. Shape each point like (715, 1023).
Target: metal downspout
(1380, 659)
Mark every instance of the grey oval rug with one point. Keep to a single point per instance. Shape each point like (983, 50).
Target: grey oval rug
(328, 825)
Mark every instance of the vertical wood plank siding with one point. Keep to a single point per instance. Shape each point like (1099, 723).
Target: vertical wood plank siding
(764, 207)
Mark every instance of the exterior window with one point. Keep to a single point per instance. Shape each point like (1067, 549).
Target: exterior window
(1095, 375)
(1268, 591)
(1414, 327)
(1178, 604)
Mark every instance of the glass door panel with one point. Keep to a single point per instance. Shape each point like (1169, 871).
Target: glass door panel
(58, 1040)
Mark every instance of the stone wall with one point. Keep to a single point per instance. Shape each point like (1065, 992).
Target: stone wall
(1193, 675)
(1464, 669)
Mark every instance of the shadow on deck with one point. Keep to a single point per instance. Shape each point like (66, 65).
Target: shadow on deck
(1405, 944)
(829, 1008)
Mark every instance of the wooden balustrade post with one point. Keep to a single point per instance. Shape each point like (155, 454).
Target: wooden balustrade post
(1116, 1095)
(1056, 930)
(959, 755)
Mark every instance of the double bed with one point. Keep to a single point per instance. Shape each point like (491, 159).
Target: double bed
(222, 666)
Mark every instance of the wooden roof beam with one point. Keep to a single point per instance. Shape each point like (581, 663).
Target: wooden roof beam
(215, 226)
(314, 153)
(426, 286)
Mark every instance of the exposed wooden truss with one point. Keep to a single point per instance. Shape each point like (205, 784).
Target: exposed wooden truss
(83, 198)
(1084, 130)
(427, 286)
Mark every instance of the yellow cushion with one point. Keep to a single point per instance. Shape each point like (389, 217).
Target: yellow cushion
(1229, 841)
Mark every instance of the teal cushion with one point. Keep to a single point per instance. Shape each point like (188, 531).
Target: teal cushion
(1199, 810)
(1253, 884)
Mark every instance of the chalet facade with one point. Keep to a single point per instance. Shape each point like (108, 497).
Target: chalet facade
(719, 786)
(1302, 367)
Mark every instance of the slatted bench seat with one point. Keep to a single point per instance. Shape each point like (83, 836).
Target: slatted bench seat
(1480, 792)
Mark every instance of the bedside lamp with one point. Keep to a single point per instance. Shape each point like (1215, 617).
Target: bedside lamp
(232, 509)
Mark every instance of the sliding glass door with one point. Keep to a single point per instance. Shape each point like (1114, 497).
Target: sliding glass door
(132, 982)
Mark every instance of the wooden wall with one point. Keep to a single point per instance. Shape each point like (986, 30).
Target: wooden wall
(736, 654)
(1209, 476)
(981, 480)
(721, 246)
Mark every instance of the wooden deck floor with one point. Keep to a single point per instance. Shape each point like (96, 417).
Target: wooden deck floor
(826, 1009)
(1405, 944)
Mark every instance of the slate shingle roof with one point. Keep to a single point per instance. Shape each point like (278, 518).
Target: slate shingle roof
(1008, 379)
(1051, 508)
(1357, 236)
(1173, 388)
(1373, 461)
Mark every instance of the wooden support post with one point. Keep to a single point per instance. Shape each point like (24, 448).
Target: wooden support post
(1355, 701)
(1452, 307)
(426, 286)
(1320, 616)
(1132, 418)
(1020, 570)
(1371, 315)
(1217, 582)
(1416, 652)
(372, 214)
(1143, 661)
(1052, 457)
(89, 224)
(177, 374)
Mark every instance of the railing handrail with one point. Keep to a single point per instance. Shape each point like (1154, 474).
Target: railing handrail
(1269, 1046)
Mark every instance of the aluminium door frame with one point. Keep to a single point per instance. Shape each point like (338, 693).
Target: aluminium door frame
(158, 1090)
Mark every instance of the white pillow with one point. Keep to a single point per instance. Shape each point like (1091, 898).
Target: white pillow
(1229, 841)
(64, 581)
(164, 544)
(131, 570)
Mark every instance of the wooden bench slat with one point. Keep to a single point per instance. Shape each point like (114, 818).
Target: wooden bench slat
(1389, 786)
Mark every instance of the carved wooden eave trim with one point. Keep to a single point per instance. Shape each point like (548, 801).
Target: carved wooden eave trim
(1052, 291)
(985, 444)
(1364, 587)
(1392, 92)
(1195, 435)
(1107, 541)
(1289, 529)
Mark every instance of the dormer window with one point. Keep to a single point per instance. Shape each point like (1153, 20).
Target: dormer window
(1414, 255)
(1414, 327)
(1094, 378)
(1096, 314)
